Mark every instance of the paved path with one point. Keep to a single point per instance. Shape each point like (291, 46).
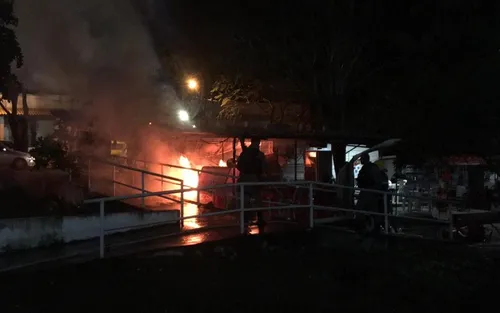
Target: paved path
(123, 244)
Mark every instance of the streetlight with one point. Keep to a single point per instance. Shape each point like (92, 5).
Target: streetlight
(192, 84)
(183, 115)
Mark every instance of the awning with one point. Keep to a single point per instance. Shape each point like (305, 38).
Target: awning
(32, 112)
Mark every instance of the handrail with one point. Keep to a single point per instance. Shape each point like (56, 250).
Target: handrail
(297, 184)
(241, 208)
(389, 193)
(179, 167)
(138, 170)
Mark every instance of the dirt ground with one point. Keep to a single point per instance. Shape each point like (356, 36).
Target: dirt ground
(281, 273)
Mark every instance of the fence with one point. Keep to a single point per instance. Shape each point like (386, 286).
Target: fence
(141, 186)
(146, 164)
(311, 206)
(144, 171)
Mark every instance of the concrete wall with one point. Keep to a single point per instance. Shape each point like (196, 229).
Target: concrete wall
(24, 233)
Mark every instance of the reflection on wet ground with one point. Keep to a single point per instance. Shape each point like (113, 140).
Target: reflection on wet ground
(193, 239)
(154, 238)
(191, 210)
(149, 240)
(197, 222)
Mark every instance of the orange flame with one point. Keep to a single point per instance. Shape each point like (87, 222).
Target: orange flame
(190, 179)
(222, 163)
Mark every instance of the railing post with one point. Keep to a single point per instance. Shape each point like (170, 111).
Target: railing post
(198, 197)
(114, 180)
(162, 179)
(88, 175)
(142, 191)
(386, 214)
(181, 212)
(242, 208)
(101, 234)
(311, 206)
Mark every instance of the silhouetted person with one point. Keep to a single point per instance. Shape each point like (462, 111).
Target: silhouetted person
(252, 165)
(369, 177)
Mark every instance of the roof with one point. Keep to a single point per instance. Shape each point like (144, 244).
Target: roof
(247, 132)
(32, 112)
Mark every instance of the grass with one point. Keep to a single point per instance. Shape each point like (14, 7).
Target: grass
(290, 273)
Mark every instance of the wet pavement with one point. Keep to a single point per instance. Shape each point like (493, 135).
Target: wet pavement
(152, 239)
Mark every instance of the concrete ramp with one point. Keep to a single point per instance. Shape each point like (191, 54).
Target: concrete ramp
(34, 232)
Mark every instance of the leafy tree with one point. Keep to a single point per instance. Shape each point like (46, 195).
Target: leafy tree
(384, 67)
(10, 88)
(239, 98)
(328, 53)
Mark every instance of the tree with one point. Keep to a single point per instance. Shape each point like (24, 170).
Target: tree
(239, 99)
(10, 88)
(328, 53)
(375, 67)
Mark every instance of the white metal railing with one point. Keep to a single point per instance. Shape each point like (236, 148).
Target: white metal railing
(166, 165)
(311, 206)
(142, 172)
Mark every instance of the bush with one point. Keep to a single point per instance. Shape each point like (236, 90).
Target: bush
(51, 153)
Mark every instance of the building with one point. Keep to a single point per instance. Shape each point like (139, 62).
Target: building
(40, 112)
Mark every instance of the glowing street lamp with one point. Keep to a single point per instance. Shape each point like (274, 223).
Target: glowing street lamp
(183, 115)
(192, 84)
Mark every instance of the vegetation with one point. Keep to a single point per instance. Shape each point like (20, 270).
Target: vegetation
(51, 153)
(10, 87)
(352, 70)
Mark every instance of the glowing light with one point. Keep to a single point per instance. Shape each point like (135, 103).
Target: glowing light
(312, 154)
(222, 163)
(192, 84)
(150, 123)
(254, 230)
(190, 179)
(183, 115)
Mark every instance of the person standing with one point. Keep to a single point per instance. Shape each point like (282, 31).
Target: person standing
(370, 177)
(252, 165)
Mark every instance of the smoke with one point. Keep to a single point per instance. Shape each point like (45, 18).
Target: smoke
(94, 50)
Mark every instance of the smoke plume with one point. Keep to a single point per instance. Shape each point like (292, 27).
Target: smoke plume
(94, 50)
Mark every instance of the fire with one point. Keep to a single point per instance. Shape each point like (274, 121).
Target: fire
(222, 163)
(190, 179)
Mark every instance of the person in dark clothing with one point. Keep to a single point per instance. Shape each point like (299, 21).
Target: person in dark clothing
(370, 177)
(252, 166)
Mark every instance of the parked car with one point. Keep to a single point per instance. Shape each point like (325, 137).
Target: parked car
(15, 159)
